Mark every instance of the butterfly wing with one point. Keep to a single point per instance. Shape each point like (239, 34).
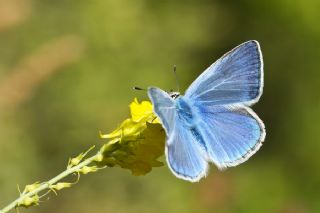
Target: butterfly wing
(164, 108)
(237, 77)
(230, 130)
(231, 134)
(182, 150)
(184, 155)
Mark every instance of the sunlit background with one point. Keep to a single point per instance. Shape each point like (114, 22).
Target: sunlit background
(67, 69)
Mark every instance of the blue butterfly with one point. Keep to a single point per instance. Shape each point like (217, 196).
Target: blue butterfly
(212, 122)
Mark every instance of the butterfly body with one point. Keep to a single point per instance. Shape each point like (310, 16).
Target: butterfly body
(185, 112)
(213, 122)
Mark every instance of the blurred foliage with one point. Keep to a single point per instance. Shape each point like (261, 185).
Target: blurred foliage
(67, 69)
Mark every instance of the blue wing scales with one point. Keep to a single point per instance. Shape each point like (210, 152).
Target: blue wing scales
(237, 77)
(184, 155)
(164, 108)
(231, 133)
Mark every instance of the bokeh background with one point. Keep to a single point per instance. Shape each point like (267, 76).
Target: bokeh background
(67, 69)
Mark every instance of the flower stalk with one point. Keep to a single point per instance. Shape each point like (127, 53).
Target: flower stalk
(32, 198)
(135, 145)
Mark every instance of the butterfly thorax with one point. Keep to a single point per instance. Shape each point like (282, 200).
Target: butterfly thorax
(184, 111)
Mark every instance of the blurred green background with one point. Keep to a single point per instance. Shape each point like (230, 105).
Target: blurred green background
(67, 69)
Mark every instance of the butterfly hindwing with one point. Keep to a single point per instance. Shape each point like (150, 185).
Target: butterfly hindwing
(231, 133)
(237, 77)
(184, 155)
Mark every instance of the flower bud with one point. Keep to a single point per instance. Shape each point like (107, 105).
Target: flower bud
(29, 201)
(31, 187)
(87, 169)
(61, 185)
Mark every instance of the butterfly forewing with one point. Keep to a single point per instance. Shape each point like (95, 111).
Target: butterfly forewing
(237, 77)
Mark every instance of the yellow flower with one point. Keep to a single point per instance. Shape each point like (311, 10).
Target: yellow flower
(142, 111)
(137, 143)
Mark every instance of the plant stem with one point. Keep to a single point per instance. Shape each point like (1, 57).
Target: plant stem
(46, 185)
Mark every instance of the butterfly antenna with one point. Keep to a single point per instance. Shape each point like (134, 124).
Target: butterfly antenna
(139, 88)
(176, 77)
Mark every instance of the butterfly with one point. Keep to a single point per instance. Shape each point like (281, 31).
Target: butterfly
(213, 121)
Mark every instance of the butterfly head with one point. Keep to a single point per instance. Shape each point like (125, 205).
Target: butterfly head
(174, 95)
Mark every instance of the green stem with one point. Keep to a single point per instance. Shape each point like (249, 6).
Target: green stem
(46, 185)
